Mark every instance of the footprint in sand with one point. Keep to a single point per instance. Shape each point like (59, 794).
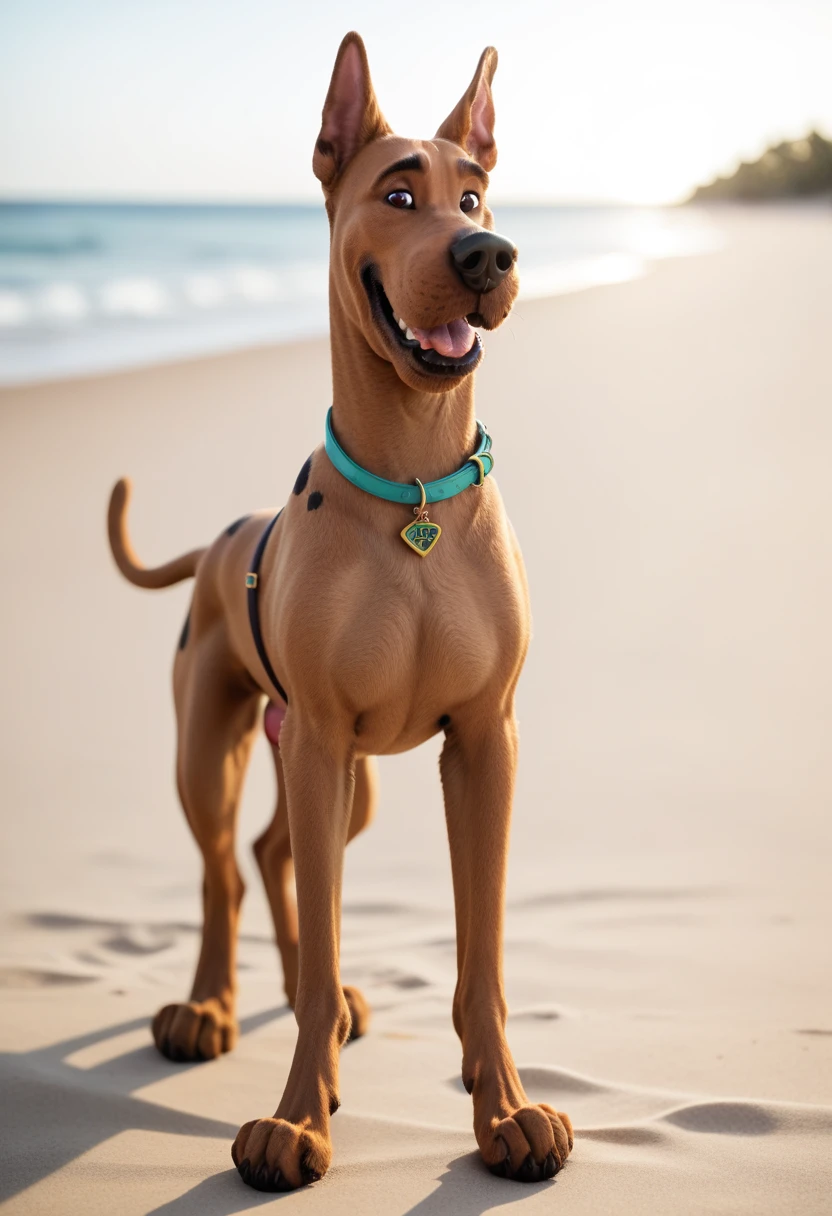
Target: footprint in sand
(23, 977)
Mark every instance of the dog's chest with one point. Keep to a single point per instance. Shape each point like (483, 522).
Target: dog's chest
(389, 639)
(405, 660)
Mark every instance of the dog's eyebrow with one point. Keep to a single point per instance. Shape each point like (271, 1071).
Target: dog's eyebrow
(471, 166)
(414, 163)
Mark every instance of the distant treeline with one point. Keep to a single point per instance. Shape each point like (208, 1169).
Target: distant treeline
(799, 169)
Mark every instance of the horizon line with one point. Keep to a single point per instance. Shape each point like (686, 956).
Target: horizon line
(141, 200)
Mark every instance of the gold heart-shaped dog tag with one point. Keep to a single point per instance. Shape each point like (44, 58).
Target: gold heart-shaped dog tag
(421, 536)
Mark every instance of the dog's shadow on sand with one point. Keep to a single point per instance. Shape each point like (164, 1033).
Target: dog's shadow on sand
(64, 1120)
(465, 1189)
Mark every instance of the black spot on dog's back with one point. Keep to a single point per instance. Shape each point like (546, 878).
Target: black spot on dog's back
(238, 523)
(186, 629)
(314, 500)
(303, 477)
(444, 721)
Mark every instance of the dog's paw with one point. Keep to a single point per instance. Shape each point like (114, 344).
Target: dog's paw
(529, 1145)
(275, 1155)
(359, 1012)
(195, 1030)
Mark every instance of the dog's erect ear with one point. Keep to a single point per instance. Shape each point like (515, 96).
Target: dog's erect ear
(351, 116)
(471, 124)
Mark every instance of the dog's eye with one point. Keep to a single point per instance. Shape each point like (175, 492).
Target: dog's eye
(402, 199)
(469, 201)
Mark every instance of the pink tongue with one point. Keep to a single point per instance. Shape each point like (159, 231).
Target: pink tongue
(452, 340)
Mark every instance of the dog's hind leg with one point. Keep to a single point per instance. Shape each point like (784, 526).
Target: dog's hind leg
(217, 717)
(273, 852)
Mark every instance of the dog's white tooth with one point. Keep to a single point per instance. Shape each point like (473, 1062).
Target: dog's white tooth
(402, 324)
(409, 334)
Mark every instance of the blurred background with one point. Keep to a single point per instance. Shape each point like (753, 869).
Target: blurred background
(156, 196)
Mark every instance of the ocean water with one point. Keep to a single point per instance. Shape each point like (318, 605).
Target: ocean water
(95, 287)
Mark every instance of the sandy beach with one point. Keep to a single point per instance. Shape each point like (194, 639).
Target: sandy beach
(663, 449)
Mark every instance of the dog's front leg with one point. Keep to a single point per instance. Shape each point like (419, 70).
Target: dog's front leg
(516, 1138)
(294, 1147)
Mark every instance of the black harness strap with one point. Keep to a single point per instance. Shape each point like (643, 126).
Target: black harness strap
(252, 580)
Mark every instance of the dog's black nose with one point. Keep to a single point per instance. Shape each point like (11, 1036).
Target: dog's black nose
(483, 260)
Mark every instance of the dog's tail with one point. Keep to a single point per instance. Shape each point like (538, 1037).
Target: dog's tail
(129, 565)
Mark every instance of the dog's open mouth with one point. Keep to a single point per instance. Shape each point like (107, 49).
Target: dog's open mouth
(452, 349)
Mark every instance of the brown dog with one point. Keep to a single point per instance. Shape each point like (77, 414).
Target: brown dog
(376, 648)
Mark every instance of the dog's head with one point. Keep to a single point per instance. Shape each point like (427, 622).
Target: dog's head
(415, 261)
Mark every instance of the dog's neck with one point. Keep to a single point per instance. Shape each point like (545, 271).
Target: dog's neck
(388, 428)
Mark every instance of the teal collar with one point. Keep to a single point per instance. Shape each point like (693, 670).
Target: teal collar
(474, 471)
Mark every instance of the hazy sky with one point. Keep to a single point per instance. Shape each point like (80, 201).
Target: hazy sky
(635, 100)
